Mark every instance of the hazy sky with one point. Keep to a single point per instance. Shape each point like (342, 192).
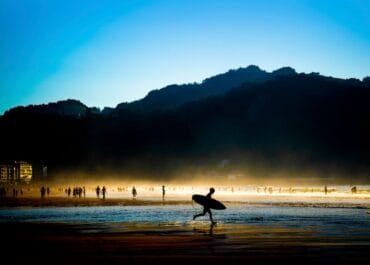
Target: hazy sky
(109, 51)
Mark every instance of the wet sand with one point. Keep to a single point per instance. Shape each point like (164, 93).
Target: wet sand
(70, 202)
(133, 243)
(62, 201)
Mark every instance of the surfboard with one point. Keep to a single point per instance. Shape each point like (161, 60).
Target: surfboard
(203, 200)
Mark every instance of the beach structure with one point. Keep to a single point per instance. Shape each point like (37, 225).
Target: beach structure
(16, 171)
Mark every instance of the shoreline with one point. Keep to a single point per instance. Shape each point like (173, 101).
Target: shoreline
(59, 201)
(81, 202)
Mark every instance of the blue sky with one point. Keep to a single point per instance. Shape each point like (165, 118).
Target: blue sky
(110, 51)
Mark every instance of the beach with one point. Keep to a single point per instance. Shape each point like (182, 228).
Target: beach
(124, 231)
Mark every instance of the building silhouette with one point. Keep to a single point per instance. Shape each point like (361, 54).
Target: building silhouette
(16, 171)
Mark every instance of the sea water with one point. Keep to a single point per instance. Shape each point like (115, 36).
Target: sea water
(351, 222)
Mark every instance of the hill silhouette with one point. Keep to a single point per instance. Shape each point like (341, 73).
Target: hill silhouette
(296, 125)
(175, 95)
(70, 107)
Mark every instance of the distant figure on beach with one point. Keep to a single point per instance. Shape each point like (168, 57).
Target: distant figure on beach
(2, 192)
(97, 191)
(163, 191)
(48, 191)
(134, 192)
(84, 191)
(42, 191)
(69, 192)
(326, 190)
(104, 191)
(206, 207)
(354, 190)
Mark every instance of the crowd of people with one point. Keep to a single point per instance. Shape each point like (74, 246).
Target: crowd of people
(102, 192)
(76, 192)
(15, 191)
(44, 190)
(325, 190)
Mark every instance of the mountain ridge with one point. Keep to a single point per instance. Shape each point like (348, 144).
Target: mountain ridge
(296, 125)
(168, 96)
(175, 95)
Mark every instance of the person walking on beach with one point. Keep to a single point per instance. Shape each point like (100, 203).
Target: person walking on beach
(97, 191)
(69, 192)
(103, 191)
(206, 207)
(134, 192)
(163, 191)
(326, 190)
(42, 191)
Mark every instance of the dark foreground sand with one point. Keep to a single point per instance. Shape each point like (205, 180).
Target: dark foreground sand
(127, 243)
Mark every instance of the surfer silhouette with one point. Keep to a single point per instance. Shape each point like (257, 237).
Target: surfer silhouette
(206, 205)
